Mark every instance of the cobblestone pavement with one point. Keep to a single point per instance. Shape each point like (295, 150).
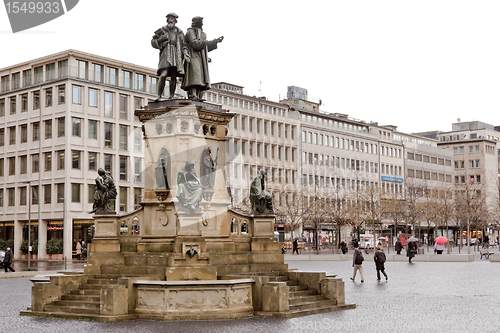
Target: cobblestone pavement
(424, 296)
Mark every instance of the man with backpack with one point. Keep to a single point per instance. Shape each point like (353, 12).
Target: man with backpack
(379, 259)
(357, 263)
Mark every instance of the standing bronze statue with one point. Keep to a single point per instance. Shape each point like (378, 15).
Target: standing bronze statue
(105, 194)
(208, 168)
(189, 189)
(170, 41)
(196, 79)
(261, 200)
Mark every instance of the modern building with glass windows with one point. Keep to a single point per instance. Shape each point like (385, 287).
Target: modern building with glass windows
(61, 118)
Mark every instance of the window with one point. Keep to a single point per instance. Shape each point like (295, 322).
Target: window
(16, 81)
(12, 135)
(35, 163)
(48, 97)
(477, 148)
(12, 166)
(5, 83)
(63, 68)
(123, 199)
(2, 107)
(48, 161)
(137, 169)
(123, 107)
(140, 82)
(61, 128)
(2, 166)
(75, 192)
(81, 69)
(2, 137)
(137, 105)
(123, 167)
(34, 195)
(12, 196)
(93, 97)
(24, 102)
(92, 129)
(1, 197)
(127, 79)
(137, 139)
(47, 193)
(108, 104)
(108, 135)
(60, 160)
(153, 85)
(97, 73)
(23, 161)
(60, 192)
(38, 74)
(92, 161)
(77, 126)
(13, 104)
(77, 94)
(24, 133)
(27, 78)
(61, 94)
(91, 193)
(75, 159)
(22, 195)
(50, 71)
(48, 129)
(108, 162)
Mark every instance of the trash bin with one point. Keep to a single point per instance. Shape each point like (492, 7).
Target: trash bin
(420, 251)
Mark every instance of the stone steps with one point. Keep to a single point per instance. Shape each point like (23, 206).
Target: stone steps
(305, 299)
(86, 292)
(79, 316)
(301, 313)
(81, 298)
(102, 281)
(71, 309)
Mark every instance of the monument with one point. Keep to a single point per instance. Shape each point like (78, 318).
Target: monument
(184, 254)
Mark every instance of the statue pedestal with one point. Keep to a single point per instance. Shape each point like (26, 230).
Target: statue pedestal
(263, 233)
(189, 223)
(106, 226)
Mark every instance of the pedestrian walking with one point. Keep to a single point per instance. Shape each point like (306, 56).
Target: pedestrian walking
(355, 243)
(357, 263)
(7, 260)
(343, 247)
(379, 259)
(78, 249)
(438, 248)
(398, 247)
(486, 242)
(295, 246)
(410, 251)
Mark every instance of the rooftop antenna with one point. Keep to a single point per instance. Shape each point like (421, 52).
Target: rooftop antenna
(260, 88)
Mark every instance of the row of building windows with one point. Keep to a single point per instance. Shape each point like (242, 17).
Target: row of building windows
(76, 195)
(390, 151)
(339, 162)
(278, 175)
(76, 131)
(333, 123)
(336, 182)
(94, 95)
(338, 142)
(427, 175)
(428, 159)
(461, 149)
(76, 163)
(265, 150)
(472, 164)
(268, 127)
(472, 179)
(245, 104)
(84, 70)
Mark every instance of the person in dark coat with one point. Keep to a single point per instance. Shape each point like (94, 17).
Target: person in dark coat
(410, 251)
(295, 246)
(398, 247)
(7, 261)
(379, 259)
(343, 247)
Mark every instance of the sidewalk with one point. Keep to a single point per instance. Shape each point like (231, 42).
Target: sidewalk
(428, 255)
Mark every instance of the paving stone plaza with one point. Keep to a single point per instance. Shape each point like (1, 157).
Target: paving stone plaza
(418, 297)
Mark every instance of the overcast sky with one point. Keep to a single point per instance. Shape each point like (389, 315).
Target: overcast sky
(419, 65)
